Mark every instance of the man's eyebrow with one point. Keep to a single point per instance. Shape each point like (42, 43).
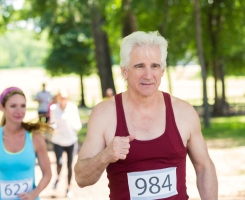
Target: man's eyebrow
(156, 64)
(136, 65)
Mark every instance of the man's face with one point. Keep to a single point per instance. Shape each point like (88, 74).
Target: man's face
(145, 71)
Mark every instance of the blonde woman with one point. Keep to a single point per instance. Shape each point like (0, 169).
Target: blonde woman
(20, 145)
(65, 119)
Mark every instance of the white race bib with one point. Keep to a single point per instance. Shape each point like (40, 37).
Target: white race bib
(11, 189)
(152, 184)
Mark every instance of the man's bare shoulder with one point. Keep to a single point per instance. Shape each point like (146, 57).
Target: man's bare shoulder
(184, 112)
(104, 113)
(101, 126)
(180, 105)
(186, 117)
(105, 107)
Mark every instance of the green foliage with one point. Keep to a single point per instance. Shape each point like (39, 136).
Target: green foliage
(21, 48)
(174, 20)
(69, 33)
(113, 26)
(226, 127)
(84, 115)
(223, 34)
(6, 11)
(71, 52)
(69, 20)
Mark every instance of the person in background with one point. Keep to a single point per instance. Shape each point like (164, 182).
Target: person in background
(54, 101)
(65, 119)
(143, 135)
(108, 93)
(20, 145)
(43, 98)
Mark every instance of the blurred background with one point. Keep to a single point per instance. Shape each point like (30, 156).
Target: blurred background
(75, 44)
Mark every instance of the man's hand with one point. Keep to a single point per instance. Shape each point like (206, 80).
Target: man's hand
(118, 148)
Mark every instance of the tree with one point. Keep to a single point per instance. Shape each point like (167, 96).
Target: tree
(129, 19)
(71, 53)
(223, 36)
(202, 62)
(223, 39)
(20, 48)
(69, 30)
(102, 49)
(222, 31)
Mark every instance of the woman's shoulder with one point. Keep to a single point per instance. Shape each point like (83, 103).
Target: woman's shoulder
(38, 140)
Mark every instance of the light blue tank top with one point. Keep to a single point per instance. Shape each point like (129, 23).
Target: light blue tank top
(17, 170)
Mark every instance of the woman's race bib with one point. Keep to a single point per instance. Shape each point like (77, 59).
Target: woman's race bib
(11, 189)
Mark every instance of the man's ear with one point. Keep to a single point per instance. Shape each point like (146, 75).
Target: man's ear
(163, 70)
(124, 72)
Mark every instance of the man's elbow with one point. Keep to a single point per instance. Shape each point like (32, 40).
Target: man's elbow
(82, 182)
(79, 178)
(206, 167)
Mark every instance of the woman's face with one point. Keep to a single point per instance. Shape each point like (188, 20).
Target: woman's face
(15, 109)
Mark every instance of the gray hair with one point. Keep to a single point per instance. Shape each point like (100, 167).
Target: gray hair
(140, 38)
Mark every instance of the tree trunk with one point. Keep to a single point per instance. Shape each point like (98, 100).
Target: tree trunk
(225, 105)
(202, 62)
(219, 83)
(102, 52)
(129, 20)
(82, 101)
(217, 105)
(220, 107)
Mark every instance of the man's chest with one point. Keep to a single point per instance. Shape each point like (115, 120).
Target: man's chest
(146, 127)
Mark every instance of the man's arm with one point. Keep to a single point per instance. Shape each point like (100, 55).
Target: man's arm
(205, 170)
(100, 147)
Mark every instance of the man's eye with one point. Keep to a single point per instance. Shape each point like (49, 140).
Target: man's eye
(139, 66)
(156, 66)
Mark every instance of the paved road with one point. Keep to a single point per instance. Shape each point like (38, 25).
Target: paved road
(230, 166)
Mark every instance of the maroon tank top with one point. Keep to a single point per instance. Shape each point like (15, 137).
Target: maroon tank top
(166, 152)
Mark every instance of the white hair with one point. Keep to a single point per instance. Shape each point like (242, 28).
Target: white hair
(140, 38)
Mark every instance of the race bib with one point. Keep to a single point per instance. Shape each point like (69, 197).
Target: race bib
(152, 184)
(11, 189)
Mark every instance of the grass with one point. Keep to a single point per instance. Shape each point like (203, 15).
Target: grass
(84, 115)
(224, 131)
(225, 127)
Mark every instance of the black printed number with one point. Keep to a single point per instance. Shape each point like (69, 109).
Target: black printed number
(8, 191)
(139, 185)
(167, 183)
(154, 186)
(18, 188)
(15, 190)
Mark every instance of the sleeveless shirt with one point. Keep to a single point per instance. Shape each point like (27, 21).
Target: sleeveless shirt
(166, 152)
(17, 170)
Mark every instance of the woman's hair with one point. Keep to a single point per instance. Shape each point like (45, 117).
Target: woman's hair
(140, 38)
(6, 94)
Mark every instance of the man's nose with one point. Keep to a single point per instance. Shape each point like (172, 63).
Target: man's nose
(148, 73)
